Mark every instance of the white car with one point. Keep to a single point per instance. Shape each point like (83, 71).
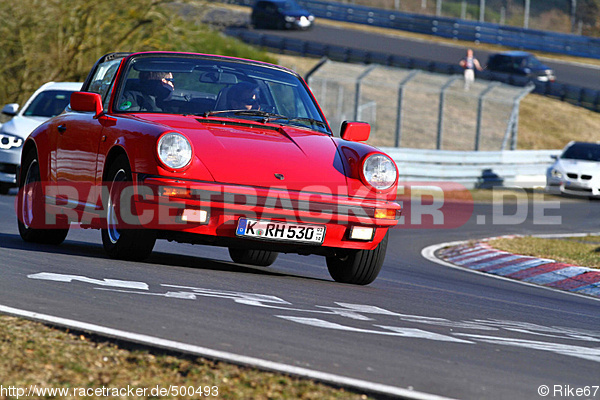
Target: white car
(576, 171)
(48, 101)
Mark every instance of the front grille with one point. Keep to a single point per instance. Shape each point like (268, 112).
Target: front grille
(586, 177)
(8, 168)
(572, 175)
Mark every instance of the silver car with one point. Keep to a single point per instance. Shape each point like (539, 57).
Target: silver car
(48, 101)
(576, 171)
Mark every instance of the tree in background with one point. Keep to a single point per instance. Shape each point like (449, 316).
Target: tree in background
(587, 11)
(59, 40)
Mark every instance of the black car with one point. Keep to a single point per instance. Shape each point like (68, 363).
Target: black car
(520, 63)
(280, 14)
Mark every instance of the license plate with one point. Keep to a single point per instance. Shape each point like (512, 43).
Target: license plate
(283, 231)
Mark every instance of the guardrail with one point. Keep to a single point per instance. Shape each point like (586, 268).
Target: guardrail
(584, 97)
(482, 169)
(454, 28)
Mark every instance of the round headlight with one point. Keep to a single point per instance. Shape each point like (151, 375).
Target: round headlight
(174, 150)
(379, 171)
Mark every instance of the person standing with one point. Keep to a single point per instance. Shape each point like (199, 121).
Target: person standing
(469, 63)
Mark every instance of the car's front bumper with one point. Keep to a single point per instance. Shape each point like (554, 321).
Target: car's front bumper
(580, 189)
(574, 187)
(223, 206)
(9, 165)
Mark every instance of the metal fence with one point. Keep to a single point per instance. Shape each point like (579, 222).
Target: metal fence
(455, 28)
(584, 97)
(474, 169)
(417, 109)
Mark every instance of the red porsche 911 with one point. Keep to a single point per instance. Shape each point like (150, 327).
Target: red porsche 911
(211, 150)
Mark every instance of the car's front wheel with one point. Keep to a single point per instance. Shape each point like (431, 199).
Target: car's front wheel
(260, 258)
(358, 267)
(31, 207)
(124, 244)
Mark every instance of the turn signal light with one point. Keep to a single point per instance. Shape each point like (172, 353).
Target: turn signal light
(176, 192)
(385, 213)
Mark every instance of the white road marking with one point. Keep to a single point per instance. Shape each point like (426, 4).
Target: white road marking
(338, 380)
(362, 313)
(587, 353)
(396, 330)
(48, 276)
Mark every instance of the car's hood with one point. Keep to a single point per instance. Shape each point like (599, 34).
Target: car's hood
(579, 166)
(249, 153)
(22, 126)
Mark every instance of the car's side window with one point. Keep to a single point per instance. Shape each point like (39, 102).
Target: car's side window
(103, 79)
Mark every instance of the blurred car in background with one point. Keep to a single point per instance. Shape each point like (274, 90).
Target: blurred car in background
(280, 14)
(576, 171)
(520, 63)
(48, 101)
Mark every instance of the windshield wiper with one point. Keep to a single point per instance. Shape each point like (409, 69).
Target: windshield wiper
(267, 116)
(309, 120)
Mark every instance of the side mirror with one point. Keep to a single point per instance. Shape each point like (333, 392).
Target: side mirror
(10, 109)
(554, 157)
(355, 131)
(86, 102)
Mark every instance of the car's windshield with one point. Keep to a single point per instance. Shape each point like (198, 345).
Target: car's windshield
(528, 62)
(48, 104)
(583, 151)
(206, 87)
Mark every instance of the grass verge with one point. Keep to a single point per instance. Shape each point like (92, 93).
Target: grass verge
(582, 251)
(36, 354)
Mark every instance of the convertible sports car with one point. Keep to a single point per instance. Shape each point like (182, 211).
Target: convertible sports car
(208, 150)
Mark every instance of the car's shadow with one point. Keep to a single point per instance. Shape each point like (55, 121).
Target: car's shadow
(166, 260)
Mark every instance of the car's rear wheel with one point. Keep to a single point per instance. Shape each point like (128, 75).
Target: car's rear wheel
(124, 244)
(358, 267)
(31, 207)
(260, 258)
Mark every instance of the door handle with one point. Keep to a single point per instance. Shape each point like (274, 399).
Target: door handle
(61, 128)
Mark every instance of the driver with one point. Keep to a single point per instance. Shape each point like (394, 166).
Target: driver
(244, 96)
(157, 84)
(153, 89)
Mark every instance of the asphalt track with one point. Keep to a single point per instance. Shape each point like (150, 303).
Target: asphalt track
(582, 75)
(421, 328)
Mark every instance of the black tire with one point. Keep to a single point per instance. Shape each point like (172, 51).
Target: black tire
(4, 188)
(260, 258)
(358, 267)
(123, 244)
(31, 207)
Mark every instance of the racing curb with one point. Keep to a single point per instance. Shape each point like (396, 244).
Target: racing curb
(480, 256)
